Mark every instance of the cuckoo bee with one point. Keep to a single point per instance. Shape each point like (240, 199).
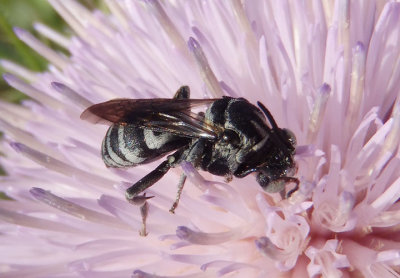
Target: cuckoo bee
(232, 138)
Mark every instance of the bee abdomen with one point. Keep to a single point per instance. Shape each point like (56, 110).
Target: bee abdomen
(121, 146)
(128, 145)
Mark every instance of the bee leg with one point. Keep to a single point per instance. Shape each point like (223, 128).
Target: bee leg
(139, 200)
(193, 156)
(132, 193)
(182, 93)
(178, 194)
(243, 171)
(144, 211)
(296, 181)
(277, 184)
(285, 180)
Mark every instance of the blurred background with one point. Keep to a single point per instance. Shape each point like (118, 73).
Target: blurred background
(24, 13)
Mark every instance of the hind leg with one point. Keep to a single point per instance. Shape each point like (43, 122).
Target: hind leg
(132, 194)
(182, 93)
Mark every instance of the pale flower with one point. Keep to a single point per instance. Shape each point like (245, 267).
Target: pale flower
(328, 70)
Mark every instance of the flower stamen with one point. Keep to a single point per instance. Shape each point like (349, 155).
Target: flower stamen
(206, 72)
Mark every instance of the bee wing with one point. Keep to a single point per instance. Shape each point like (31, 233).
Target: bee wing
(164, 115)
(186, 124)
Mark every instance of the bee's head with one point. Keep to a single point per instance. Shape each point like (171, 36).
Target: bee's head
(289, 139)
(272, 160)
(273, 180)
(280, 163)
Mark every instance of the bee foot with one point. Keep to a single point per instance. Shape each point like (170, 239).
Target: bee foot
(144, 210)
(138, 200)
(228, 178)
(174, 206)
(178, 193)
(290, 192)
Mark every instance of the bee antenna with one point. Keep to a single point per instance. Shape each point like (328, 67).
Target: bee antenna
(269, 115)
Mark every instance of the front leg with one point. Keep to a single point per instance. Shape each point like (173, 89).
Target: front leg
(278, 184)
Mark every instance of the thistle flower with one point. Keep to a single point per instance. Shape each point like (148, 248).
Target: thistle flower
(329, 71)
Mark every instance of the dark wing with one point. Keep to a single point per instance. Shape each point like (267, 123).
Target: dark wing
(163, 115)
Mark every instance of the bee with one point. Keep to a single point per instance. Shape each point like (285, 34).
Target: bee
(233, 138)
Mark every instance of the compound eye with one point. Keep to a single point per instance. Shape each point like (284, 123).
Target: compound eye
(230, 137)
(290, 137)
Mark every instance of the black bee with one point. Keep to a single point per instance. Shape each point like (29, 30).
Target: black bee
(232, 138)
